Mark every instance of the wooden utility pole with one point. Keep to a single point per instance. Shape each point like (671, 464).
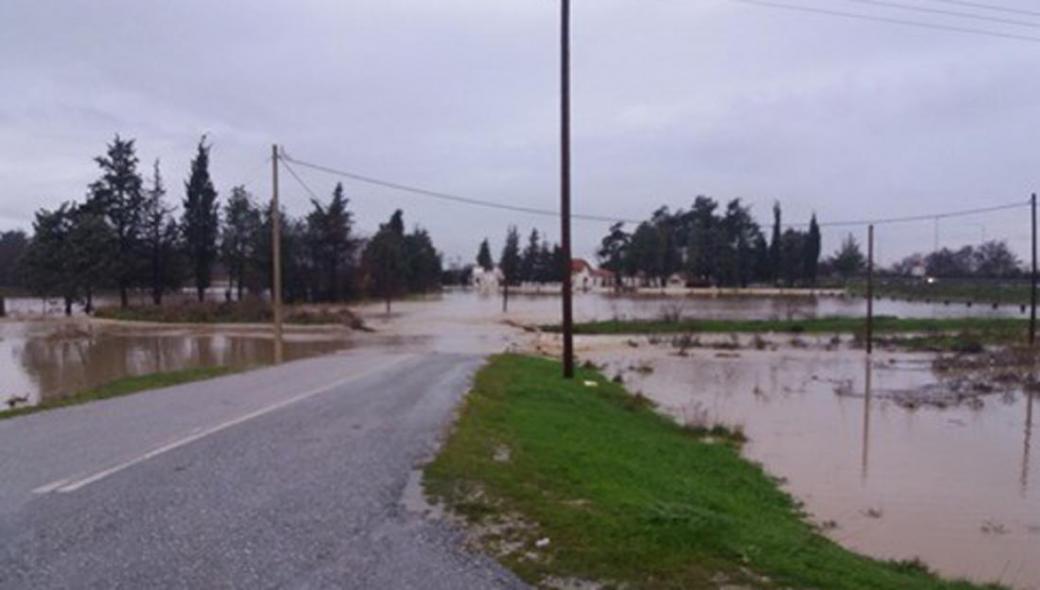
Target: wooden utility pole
(276, 256)
(1032, 278)
(565, 187)
(870, 289)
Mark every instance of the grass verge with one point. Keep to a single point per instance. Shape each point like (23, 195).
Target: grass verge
(124, 386)
(626, 496)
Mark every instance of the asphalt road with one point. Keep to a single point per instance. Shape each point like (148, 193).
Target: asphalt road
(285, 477)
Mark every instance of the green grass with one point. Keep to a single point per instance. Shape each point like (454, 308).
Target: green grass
(629, 497)
(124, 386)
(1009, 327)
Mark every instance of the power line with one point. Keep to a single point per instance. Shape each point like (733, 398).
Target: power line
(954, 13)
(285, 158)
(252, 175)
(992, 7)
(284, 162)
(889, 20)
(448, 196)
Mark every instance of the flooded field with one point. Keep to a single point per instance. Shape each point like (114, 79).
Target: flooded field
(886, 461)
(54, 358)
(884, 464)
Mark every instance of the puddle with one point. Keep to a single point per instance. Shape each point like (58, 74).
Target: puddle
(952, 483)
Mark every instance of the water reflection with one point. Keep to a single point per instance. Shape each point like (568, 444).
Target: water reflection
(54, 359)
(1028, 438)
(868, 380)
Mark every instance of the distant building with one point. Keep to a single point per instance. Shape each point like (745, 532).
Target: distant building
(484, 280)
(585, 277)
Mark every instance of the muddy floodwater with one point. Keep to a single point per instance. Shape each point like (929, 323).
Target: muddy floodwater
(955, 484)
(48, 359)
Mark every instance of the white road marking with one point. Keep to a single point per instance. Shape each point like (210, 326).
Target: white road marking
(70, 484)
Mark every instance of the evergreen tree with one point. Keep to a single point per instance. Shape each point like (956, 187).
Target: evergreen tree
(239, 239)
(118, 196)
(331, 243)
(774, 245)
(811, 252)
(161, 239)
(48, 264)
(612, 251)
(848, 261)
(12, 248)
(528, 270)
(385, 260)
(424, 262)
(90, 261)
(646, 252)
(701, 254)
(509, 264)
(201, 220)
(484, 259)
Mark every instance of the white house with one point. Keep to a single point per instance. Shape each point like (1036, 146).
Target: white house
(584, 277)
(486, 281)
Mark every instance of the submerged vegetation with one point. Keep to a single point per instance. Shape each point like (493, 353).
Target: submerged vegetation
(124, 386)
(570, 481)
(1004, 327)
(247, 311)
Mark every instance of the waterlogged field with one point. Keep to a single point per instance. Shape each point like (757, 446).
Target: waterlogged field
(893, 458)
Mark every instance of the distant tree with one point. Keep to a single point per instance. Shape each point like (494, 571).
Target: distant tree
(528, 268)
(994, 259)
(238, 243)
(48, 263)
(509, 264)
(646, 252)
(774, 244)
(200, 221)
(331, 243)
(385, 260)
(424, 266)
(12, 248)
(612, 251)
(484, 259)
(161, 239)
(848, 261)
(90, 263)
(118, 196)
(792, 248)
(736, 250)
(947, 263)
(908, 265)
(811, 252)
(701, 244)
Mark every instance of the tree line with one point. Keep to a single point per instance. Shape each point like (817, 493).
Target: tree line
(539, 261)
(126, 236)
(709, 245)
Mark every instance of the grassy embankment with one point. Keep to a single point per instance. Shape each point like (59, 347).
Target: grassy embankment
(628, 497)
(244, 312)
(124, 386)
(915, 333)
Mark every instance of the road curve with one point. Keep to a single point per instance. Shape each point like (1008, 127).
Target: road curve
(283, 477)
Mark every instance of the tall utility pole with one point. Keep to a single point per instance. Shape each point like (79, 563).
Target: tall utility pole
(1032, 278)
(870, 289)
(565, 187)
(276, 256)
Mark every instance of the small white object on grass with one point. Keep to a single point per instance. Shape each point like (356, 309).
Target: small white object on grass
(591, 384)
(542, 543)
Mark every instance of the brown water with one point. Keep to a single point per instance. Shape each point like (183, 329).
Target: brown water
(956, 487)
(55, 358)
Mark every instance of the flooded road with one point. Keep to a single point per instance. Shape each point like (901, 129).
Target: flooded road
(954, 486)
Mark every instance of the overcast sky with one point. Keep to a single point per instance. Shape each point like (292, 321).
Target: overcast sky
(672, 98)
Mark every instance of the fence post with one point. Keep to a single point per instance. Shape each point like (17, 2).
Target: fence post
(1032, 278)
(870, 289)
